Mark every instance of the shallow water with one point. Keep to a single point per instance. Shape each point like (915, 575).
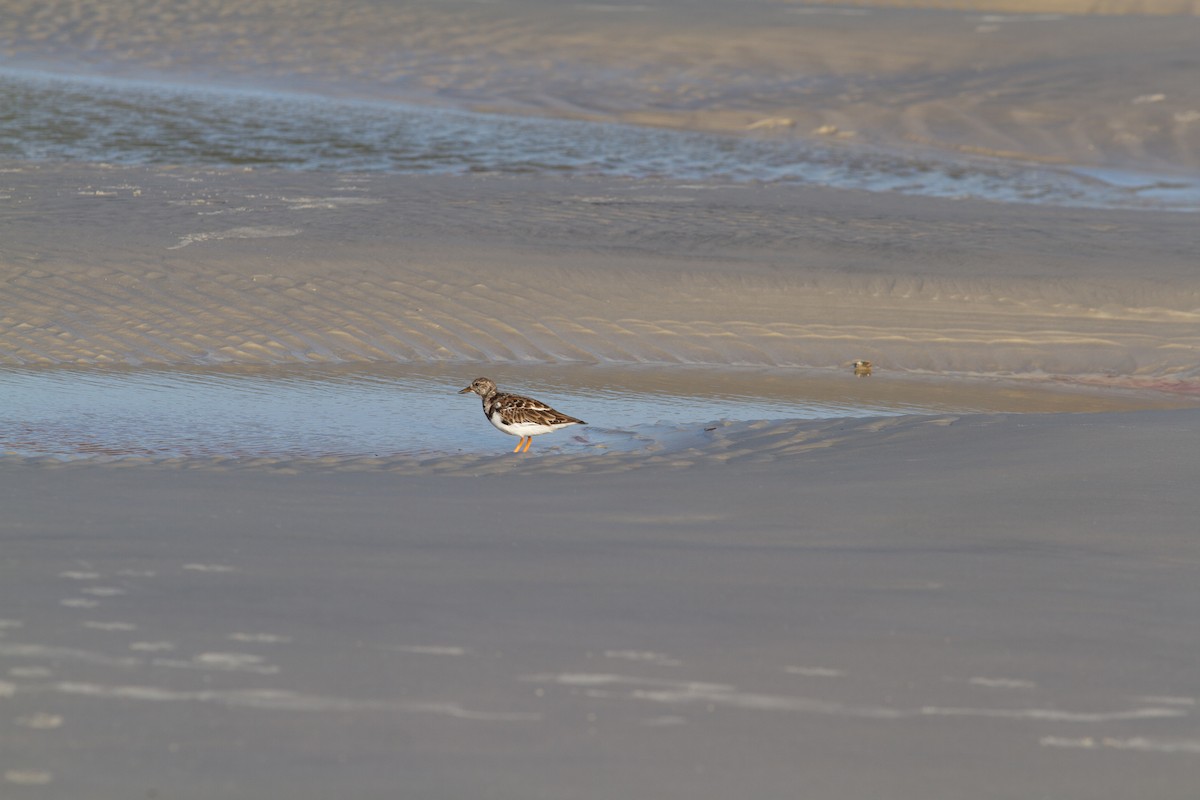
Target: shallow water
(124, 121)
(406, 410)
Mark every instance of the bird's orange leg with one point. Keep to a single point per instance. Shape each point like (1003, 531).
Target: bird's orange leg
(528, 442)
(520, 442)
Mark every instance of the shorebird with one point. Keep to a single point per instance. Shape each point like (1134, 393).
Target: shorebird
(517, 415)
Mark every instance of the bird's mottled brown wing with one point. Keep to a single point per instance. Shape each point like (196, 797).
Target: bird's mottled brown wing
(516, 408)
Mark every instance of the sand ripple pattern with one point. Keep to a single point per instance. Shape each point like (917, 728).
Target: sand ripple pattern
(177, 267)
(146, 316)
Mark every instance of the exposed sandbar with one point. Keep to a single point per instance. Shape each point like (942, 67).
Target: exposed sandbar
(192, 267)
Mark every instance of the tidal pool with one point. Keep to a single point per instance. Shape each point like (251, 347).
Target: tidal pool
(387, 410)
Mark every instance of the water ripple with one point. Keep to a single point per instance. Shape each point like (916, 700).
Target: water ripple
(138, 122)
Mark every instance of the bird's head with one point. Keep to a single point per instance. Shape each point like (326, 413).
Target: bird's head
(480, 386)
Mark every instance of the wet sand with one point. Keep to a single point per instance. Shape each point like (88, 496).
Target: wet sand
(997, 606)
(168, 266)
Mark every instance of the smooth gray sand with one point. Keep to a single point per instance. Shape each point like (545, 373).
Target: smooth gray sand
(999, 606)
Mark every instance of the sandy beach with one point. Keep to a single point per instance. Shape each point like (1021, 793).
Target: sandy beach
(997, 605)
(993, 594)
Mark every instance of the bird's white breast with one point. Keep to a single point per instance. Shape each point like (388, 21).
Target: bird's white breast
(521, 428)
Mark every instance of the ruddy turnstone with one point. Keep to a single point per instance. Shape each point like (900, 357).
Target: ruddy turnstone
(862, 369)
(516, 415)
